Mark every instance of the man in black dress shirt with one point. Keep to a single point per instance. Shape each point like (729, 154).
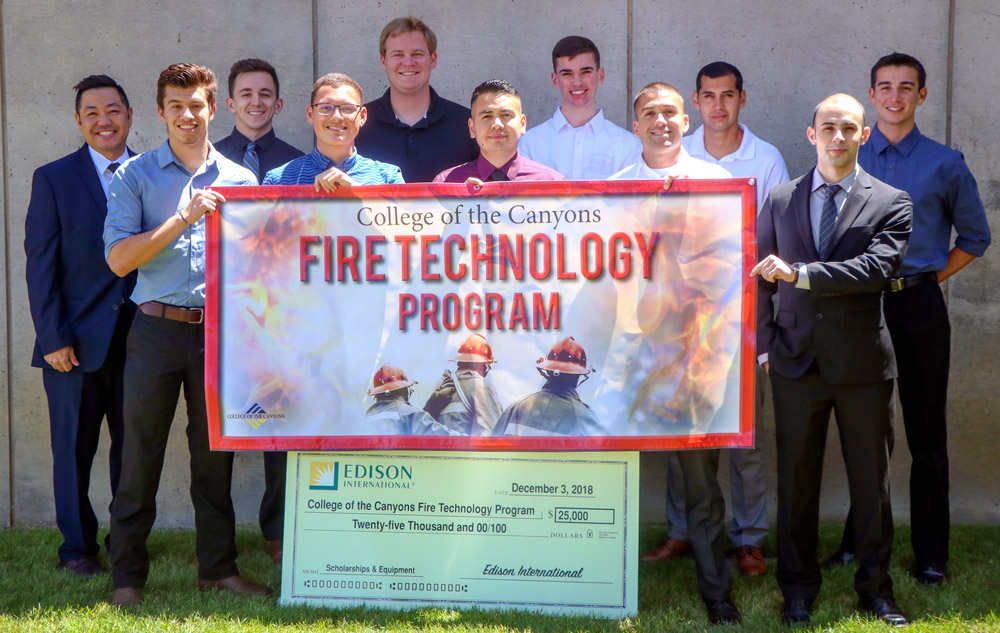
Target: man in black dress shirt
(410, 125)
(253, 98)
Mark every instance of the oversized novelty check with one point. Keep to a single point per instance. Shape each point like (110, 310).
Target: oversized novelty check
(553, 532)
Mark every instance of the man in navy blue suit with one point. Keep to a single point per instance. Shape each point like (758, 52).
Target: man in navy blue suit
(81, 311)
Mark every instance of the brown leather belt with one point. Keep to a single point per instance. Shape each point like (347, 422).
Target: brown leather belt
(174, 313)
(902, 283)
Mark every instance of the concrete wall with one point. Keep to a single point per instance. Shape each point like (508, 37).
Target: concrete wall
(792, 54)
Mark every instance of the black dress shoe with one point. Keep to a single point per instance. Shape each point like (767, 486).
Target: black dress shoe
(884, 609)
(723, 612)
(931, 575)
(839, 558)
(796, 612)
(82, 567)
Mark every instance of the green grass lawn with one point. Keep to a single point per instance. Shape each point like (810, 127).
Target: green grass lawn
(35, 596)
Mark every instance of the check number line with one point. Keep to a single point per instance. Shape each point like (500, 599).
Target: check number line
(560, 582)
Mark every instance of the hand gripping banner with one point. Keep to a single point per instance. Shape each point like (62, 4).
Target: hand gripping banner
(517, 316)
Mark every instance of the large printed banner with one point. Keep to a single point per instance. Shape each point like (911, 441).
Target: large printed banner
(517, 316)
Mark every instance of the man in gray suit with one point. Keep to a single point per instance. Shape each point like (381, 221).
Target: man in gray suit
(831, 241)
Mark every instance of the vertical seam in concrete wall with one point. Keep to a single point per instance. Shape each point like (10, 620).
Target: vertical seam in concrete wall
(6, 237)
(628, 66)
(951, 69)
(315, 34)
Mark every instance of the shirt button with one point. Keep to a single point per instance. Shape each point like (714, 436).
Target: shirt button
(891, 166)
(819, 316)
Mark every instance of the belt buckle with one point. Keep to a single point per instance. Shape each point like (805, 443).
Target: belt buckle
(897, 284)
(201, 316)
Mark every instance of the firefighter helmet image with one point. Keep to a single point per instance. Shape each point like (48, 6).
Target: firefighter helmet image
(475, 349)
(392, 413)
(556, 409)
(565, 357)
(463, 400)
(389, 378)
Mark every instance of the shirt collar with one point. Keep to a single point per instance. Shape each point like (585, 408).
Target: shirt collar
(101, 163)
(845, 184)
(165, 156)
(560, 120)
(263, 142)
(384, 113)
(511, 167)
(880, 143)
(746, 151)
(324, 162)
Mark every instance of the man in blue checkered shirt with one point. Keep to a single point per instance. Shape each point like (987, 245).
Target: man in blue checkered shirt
(336, 112)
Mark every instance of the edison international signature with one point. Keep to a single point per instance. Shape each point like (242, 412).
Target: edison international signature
(337, 475)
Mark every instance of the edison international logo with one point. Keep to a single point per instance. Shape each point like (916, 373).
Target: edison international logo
(324, 475)
(255, 416)
(337, 475)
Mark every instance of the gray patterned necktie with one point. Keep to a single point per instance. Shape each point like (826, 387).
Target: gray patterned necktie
(827, 220)
(251, 161)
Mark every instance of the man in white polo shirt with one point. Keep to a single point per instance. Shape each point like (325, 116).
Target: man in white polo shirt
(578, 142)
(723, 140)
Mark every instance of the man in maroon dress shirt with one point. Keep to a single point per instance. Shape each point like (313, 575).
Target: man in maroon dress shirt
(497, 124)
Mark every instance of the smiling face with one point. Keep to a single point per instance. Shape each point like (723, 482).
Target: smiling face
(719, 102)
(104, 121)
(577, 79)
(335, 133)
(408, 62)
(186, 112)
(838, 132)
(497, 124)
(660, 123)
(896, 96)
(254, 102)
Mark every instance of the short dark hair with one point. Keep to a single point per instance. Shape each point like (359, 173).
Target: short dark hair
(493, 87)
(716, 70)
(187, 75)
(253, 65)
(653, 88)
(573, 45)
(98, 81)
(409, 24)
(901, 59)
(336, 80)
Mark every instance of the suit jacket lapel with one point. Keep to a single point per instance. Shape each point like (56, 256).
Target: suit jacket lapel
(856, 200)
(88, 174)
(800, 202)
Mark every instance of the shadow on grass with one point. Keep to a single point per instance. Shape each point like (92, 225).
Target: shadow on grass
(37, 596)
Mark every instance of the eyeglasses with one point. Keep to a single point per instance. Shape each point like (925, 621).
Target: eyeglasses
(327, 109)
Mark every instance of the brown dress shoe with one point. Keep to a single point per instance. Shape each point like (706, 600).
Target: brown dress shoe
(82, 567)
(670, 548)
(235, 584)
(274, 550)
(750, 560)
(127, 597)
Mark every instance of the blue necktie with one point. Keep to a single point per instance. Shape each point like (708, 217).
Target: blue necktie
(251, 161)
(827, 220)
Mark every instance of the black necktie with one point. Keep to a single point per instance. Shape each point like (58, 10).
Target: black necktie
(251, 161)
(827, 220)
(498, 176)
(113, 167)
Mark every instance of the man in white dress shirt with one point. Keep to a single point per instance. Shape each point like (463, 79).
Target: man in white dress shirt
(578, 141)
(723, 140)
